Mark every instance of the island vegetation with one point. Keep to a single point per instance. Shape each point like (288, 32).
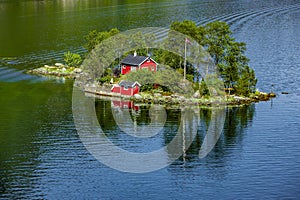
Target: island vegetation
(234, 75)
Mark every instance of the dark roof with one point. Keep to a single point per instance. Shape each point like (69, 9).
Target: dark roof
(128, 84)
(134, 60)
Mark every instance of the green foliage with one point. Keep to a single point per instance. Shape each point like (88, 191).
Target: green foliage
(94, 37)
(196, 86)
(215, 85)
(203, 90)
(72, 59)
(246, 83)
(190, 77)
(142, 76)
(190, 29)
(113, 48)
(215, 37)
(168, 58)
(108, 72)
(147, 87)
(176, 61)
(106, 77)
(227, 54)
(173, 81)
(167, 79)
(141, 42)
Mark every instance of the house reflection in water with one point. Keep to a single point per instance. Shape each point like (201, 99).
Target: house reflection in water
(121, 103)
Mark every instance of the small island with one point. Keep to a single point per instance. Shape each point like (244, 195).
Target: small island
(140, 76)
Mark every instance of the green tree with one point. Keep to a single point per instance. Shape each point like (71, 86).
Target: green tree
(94, 37)
(246, 83)
(167, 78)
(217, 39)
(190, 29)
(176, 61)
(141, 42)
(215, 85)
(142, 76)
(203, 90)
(229, 57)
(72, 59)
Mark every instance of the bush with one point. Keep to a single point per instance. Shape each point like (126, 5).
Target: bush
(203, 90)
(72, 59)
(105, 79)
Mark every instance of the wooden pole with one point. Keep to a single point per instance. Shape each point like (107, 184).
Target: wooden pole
(184, 64)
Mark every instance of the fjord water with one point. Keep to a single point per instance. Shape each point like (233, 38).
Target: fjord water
(41, 155)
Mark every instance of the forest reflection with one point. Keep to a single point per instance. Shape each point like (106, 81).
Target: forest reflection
(119, 118)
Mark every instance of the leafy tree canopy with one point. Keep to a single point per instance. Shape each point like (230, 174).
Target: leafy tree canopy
(72, 59)
(94, 37)
(227, 54)
(216, 38)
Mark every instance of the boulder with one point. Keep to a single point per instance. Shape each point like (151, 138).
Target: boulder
(272, 95)
(197, 94)
(175, 95)
(157, 95)
(78, 70)
(137, 96)
(59, 64)
(213, 92)
(181, 99)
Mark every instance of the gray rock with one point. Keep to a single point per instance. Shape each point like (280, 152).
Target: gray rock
(197, 94)
(78, 70)
(157, 95)
(213, 92)
(175, 95)
(181, 99)
(137, 96)
(59, 64)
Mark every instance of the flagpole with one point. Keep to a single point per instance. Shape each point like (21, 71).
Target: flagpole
(184, 64)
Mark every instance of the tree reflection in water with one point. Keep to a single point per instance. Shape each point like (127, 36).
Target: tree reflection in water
(197, 121)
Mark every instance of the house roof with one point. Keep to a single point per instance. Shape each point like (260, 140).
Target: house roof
(128, 84)
(135, 60)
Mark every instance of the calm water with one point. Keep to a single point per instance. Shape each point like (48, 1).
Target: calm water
(41, 155)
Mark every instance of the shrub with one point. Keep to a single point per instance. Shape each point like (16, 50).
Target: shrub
(104, 79)
(72, 59)
(204, 91)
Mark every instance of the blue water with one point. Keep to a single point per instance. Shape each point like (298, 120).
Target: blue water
(42, 156)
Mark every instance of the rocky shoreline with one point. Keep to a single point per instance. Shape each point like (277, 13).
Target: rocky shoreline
(176, 99)
(59, 70)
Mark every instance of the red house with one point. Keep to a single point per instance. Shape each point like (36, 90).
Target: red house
(135, 62)
(126, 88)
